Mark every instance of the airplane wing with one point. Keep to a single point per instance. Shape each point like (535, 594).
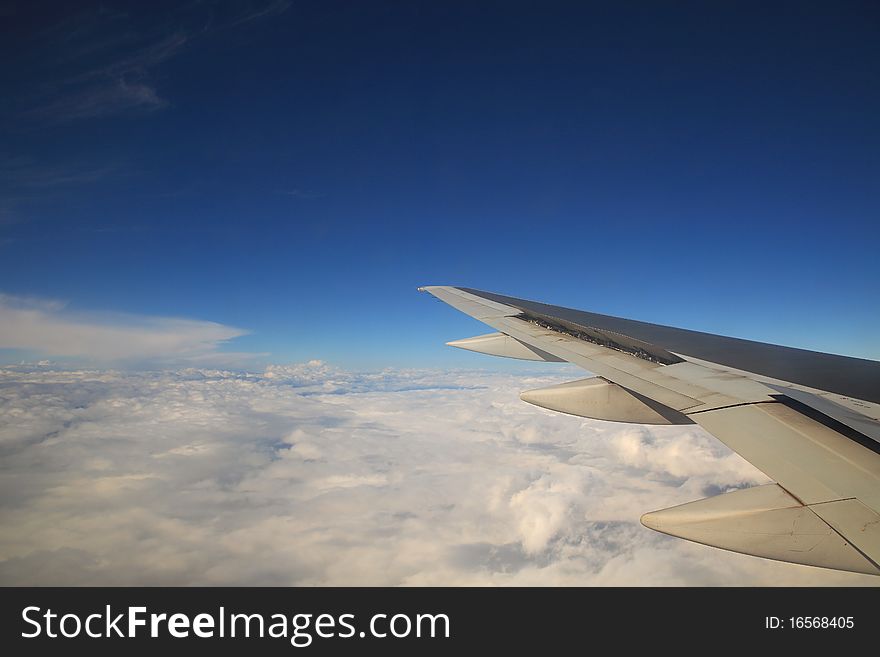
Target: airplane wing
(809, 421)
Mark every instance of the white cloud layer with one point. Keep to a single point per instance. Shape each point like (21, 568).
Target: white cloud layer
(311, 475)
(47, 328)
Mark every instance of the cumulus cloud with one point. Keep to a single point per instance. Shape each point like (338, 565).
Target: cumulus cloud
(46, 327)
(308, 474)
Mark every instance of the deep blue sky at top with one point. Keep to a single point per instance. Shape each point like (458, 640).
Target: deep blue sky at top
(298, 169)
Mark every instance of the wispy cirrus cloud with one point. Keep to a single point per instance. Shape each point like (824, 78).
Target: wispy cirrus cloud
(300, 194)
(118, 82)
(24, 175)
(107, 60)
(48, 328)
(254, 12)
(93, 63)
(103, 98)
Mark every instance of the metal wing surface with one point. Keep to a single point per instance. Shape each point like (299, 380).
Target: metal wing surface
(810, 421)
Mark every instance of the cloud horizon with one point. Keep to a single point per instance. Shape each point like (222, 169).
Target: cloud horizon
(307, 474)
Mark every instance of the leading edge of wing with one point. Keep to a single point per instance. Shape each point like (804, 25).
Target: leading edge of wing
(843, 375)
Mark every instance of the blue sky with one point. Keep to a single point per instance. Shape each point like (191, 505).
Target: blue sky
(296, 170)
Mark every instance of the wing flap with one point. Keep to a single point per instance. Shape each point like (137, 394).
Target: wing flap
(862, 422)
(815, 463)
(852, 519)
